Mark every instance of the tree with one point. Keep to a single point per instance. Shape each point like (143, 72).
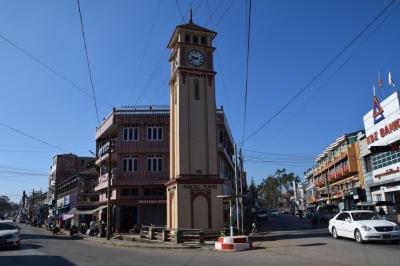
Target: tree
(6, 206)
(272, 189)
(268, 191)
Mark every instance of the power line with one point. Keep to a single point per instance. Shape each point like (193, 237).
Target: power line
(291, 100)
(87, 61)
(30, 136)
(226, 11)
(180, 11)
(144, 54)
(337, 71)
(49, 68)
(248, 31)
(215, 10)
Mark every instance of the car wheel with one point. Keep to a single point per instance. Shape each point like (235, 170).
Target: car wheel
(334, 233)
(358, 237)
(394, 241)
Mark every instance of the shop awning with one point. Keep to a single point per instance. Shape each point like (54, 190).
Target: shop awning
(76, 211)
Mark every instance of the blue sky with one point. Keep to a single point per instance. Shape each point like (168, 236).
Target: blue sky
(290, 43)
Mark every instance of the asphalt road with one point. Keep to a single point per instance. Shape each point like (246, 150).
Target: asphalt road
(288, 241)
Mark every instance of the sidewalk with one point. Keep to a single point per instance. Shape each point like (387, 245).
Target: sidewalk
(141, 244)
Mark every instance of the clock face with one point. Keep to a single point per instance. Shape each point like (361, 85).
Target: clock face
(195, 58)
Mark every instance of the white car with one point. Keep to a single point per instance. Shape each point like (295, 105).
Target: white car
(9, 234)
(363, 226)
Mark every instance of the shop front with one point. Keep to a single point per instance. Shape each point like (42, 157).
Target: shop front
(382, 127)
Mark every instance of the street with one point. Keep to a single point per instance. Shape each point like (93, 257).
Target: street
(287, 241)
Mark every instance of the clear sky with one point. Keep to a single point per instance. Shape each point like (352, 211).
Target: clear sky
(291, 41)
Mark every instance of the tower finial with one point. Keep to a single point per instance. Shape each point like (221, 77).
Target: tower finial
(190, 15)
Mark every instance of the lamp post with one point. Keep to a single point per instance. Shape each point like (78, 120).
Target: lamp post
(230, 197)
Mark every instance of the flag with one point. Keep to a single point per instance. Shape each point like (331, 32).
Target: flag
(391, 82)
(373, 88)
(379, 81)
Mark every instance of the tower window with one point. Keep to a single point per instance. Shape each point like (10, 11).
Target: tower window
(187, 38)
(196, 90)
(203, 40)
(195, 39)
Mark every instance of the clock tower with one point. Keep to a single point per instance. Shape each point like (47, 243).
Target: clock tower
(194, 178)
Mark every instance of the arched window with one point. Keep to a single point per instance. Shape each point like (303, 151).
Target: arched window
(196, 90)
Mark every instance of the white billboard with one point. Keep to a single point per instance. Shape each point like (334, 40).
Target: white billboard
(382, 123)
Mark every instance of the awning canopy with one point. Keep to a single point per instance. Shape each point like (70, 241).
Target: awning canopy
(76, 211)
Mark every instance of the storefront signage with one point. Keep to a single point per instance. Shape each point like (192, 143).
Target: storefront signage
(385, 131)
(60, 203)
(66, 200)
(388, 172)
(390, 188)
(200, 187)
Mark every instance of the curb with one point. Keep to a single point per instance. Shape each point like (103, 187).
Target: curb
(132, 244)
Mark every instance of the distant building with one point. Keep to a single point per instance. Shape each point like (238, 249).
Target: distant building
(76, 197)
(338, 175)
(63, 167)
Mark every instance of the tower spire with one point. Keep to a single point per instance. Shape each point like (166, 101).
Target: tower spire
(190, 15)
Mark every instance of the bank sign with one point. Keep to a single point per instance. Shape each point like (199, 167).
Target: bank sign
(387, 130)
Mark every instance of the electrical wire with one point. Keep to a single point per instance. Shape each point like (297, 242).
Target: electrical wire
(49, 68)
(87, 62)
(144, 55)
(248, 36)
(333, 60)
(180, 11)
(31, 137)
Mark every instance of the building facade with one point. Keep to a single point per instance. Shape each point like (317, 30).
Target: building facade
(139, 165)
(63, 167)
(338, 175)
(76, 195)
(382, 125)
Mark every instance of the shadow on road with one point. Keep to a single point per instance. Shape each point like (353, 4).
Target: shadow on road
(41, 236)
(34, 260)
(311, 245)
(276, 237)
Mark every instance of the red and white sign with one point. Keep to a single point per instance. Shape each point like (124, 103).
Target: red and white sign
(387, 130)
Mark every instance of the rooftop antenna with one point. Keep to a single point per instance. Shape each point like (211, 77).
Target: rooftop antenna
(190, 15)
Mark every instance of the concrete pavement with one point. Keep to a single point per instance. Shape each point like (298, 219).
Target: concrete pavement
(287, 246)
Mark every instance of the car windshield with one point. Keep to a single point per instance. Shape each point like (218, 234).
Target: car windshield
(7, 226)
(357, 216)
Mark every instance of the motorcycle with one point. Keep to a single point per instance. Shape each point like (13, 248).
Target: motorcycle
(73, 231)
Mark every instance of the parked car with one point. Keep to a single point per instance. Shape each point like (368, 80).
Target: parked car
(262, 214)
(273, 212)
(9, 234)
(325, 213)
(363, 226)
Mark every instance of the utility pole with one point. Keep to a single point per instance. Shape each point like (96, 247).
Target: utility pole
(108, 233)
(33, 204)
(241, 190)
(236, 191)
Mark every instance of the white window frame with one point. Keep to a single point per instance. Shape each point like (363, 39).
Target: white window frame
(134, 162)
(155, 163)
(133, 130)
(155, 133)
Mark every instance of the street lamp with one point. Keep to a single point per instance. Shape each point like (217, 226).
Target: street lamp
(230, 197)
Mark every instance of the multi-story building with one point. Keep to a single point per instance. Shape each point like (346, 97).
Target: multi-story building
(338, 175)
(311, 193)
(140, 163)
(63, 167)
(76, 197)
(382, 125)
